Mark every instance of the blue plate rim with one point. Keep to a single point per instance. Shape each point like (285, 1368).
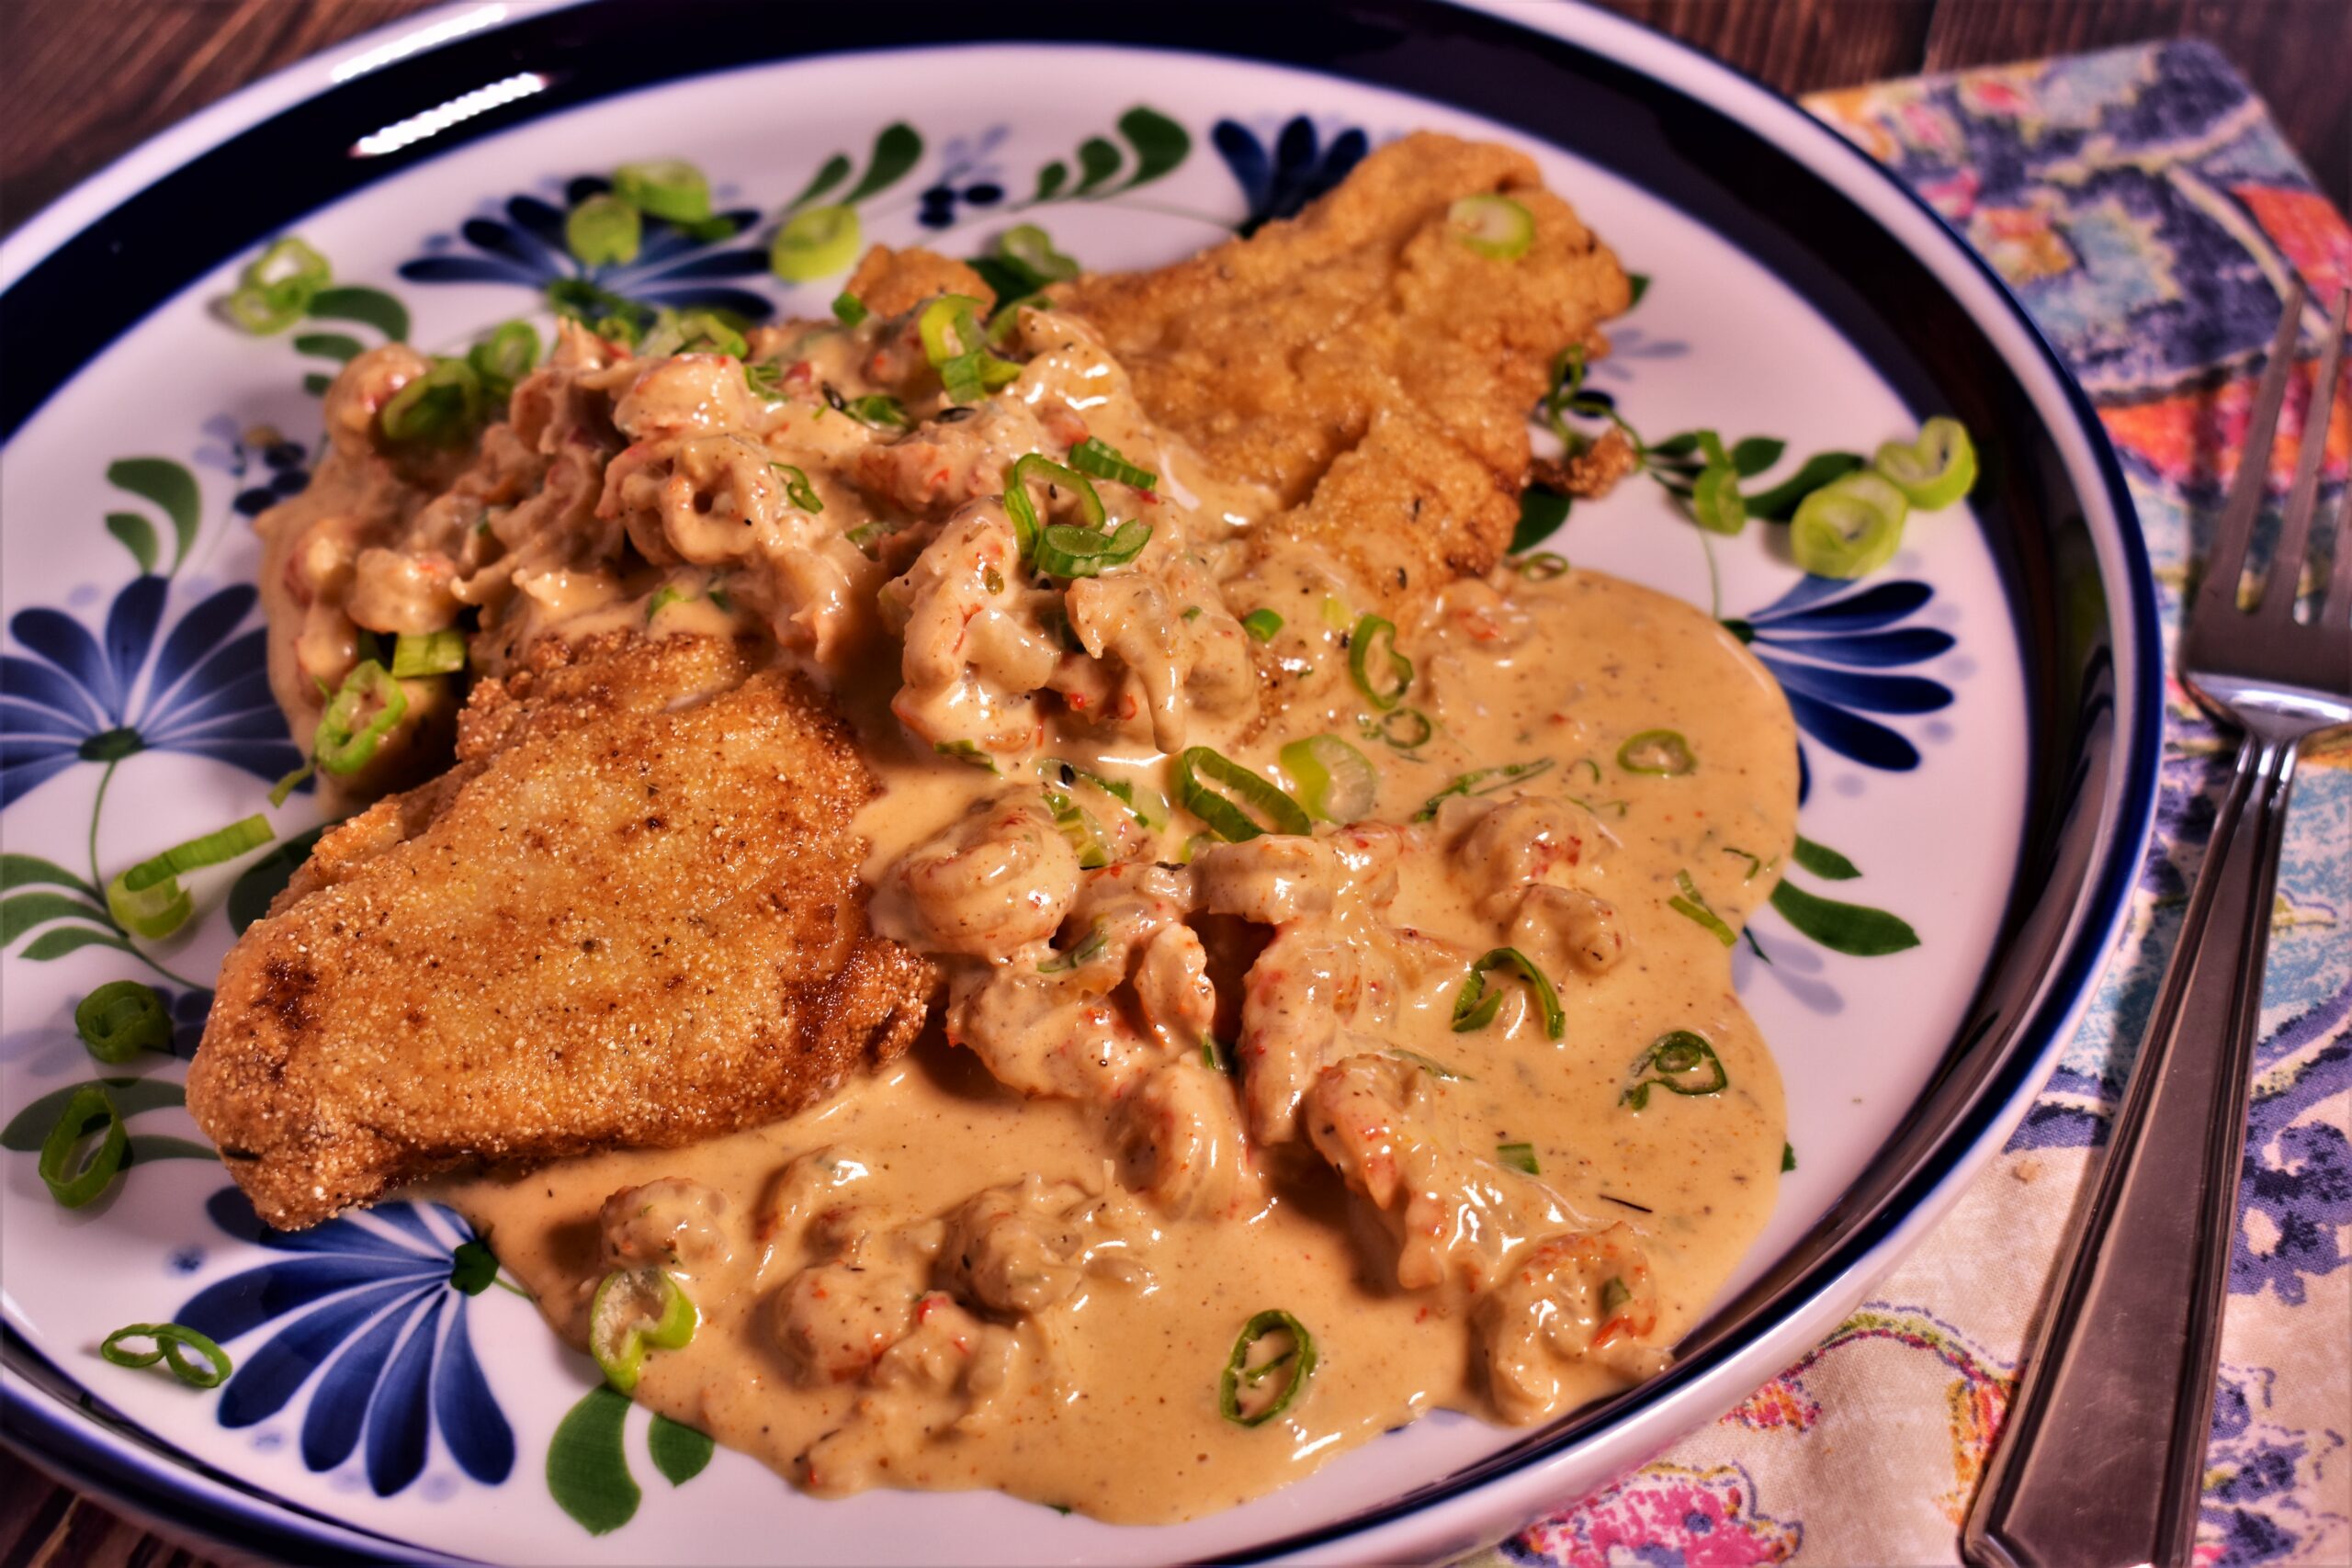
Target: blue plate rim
(85, 1448)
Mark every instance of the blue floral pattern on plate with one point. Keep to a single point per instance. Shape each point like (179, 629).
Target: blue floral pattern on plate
(679, 267)
(1301, 167)
(1824, 640)
(377, 1314)
(79, 698)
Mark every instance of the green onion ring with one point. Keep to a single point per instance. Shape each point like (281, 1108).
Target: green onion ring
(1541, 567)
(75, 1187)
(148, 900)
(967, 752)
(1492, 225)
(797, 490)
(1478, 783)
(436, 409)
(1518, 1156)
(604, 230)
(339, 747)
(122, 1019)
(668, 189)
(1030, 251)
(1669, 1056)
(849, 310)
(1225, 820)
(1335, 781)
(1935, 471)
(171, 1340)
(1476, 1007)
(1261, 624)
(1396, 668)
(1105, 461)
(635, 1310)
(1406, 727)
(1662, 753)
(1693, 906)
(417, 655)
(1081, 828)
(1237, 1371)
(1849, 527)
(504, 358)
(1054, 477)
(815, 242)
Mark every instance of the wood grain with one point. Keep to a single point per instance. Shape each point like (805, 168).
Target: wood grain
(84, 81)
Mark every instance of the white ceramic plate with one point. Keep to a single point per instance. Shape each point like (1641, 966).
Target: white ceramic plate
(1979, 719)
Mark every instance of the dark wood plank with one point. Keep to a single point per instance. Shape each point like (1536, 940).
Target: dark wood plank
(42, 1525)
(2296, 53)
(1797, 45)
(88, 79)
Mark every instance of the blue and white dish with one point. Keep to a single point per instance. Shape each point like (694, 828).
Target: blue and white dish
(1979, 720)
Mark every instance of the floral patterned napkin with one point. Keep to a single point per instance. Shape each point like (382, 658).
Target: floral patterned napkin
(2145, 207)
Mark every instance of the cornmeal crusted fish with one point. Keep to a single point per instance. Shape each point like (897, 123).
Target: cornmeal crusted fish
(1364, 364)
(629, 916)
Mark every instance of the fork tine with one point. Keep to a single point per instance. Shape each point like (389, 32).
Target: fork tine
(2225, 567)
(2284, 582)
(2338, 606)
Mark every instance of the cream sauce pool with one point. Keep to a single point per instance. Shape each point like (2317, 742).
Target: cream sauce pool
(1094, 1379)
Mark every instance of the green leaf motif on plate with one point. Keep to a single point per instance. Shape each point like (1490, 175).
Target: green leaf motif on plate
(137, 536)
(63, 939)
(1824, 862)
(1155, 145)
(27, 871)
(264, 880)
(372, 307)
(1855, 929)
(587, 1472)
(172, 490)
(679, 1451)
(25, 910)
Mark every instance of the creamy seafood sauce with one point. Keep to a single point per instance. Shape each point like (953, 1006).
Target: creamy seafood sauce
(1178, 1080)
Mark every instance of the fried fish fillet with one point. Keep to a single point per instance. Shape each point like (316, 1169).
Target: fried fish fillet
(630, 915)
(1364, 362)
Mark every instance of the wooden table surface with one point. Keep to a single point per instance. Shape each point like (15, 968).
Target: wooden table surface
(84, 81)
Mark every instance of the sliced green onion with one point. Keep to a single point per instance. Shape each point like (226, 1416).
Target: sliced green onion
(1662, 753)
(122, 1019)
(1541, 567)
(1406, 727)
(285, 788)
(669, 593)
(1788, 1157)
(865, 537)
(504, 358)
(1241, 1376)
(1383, 677)
(797, 490)
(668, 189)
(1219, 811)
(1692, 905)
(1105, 461)
(958, 348)
(173, 1340)
(1262, 624)
(1335, 781)
(343, 745)
(604, 230)
(624, 330)
(1097, 940)
(1040, 468)
(418, 654)
(1492, 225)
(76, 1185)
(1429, 1064)
(436, 409)
(1476, 1007)
(1518, 1156)
(878, 410)
(1715, 502)
(967, 752)
(1483, 781)
(1030, 251)
(1145, 804)
(765, 380)
(849, 310)
(1216, 1056)
(1935, 471)
(1849, 527)
(635, 1310)
(815, 242)
(278, 287)
(1066, 550)
(1669, 1064)
(1081, 828)
(148, 898)
(693, 332)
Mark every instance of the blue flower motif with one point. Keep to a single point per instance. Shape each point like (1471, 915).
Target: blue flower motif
(375, 1311)
(676, 266)
(1301, 168)
(80, 698)
(1824, 639)
(970, 176)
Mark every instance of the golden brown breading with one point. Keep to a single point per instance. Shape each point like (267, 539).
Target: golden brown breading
(1366, 342)
(631, 915)
(890, 282)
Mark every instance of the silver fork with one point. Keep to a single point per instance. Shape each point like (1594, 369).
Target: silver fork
(2102, 1462)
